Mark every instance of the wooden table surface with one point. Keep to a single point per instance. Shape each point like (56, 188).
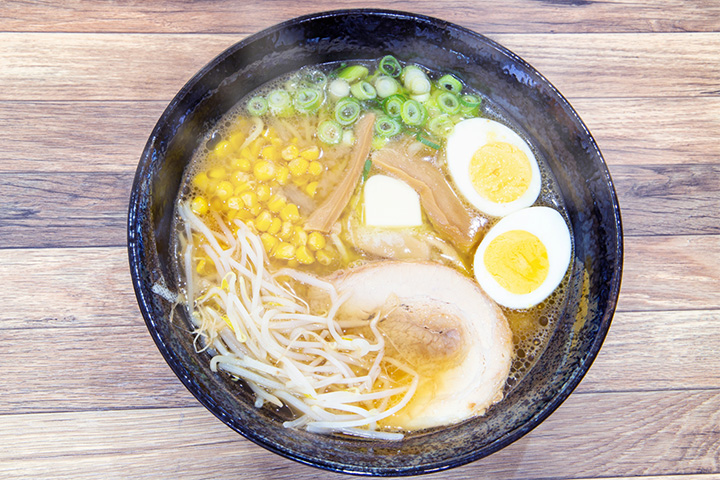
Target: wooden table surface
(86, 395)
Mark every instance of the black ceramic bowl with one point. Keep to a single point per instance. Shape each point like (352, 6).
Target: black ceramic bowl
(532, 102)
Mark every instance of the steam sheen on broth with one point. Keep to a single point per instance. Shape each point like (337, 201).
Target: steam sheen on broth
(367, 323)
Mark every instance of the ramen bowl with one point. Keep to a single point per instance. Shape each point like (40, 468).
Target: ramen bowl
(532, 103)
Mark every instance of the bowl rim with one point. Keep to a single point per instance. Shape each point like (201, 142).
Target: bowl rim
(136, 247)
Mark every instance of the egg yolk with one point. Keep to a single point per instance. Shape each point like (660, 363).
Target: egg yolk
(517, 260)
(500, 172)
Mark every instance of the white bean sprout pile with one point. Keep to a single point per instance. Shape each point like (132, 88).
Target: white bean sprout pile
(333, 373)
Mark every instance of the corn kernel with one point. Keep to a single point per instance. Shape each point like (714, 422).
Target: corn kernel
(199, 206)
(300, 181)
(324, 257)
(237, 139)
(290, 152)
(244, 215)
(304, 255)
(217, 173)
(242, 164)
(264, 170)
(286, 231)
(290, 213)
(201, 266)
(251, 225)
(269, 132)
(292, 263)
(311, 189)
(247, 154)
(315, 168)
(311, 153)
(298, 167)
(243, 187)
(269, 242)
(255, 147)
(275, 226)
(276, 203)
(284, 251)
(255, 209)
(271, 153)
(283, 175)
(316, 241)
(224, 189)
(263, 221)
(249, 198)
(300, 236)
(200, 181)
(222, 149)
(263, 192)
(235, 203)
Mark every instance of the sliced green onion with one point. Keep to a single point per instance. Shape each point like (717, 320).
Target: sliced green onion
(339, 88)
(347, 111)
(427, 141)
(470, 103)
(410, 73)
(363, 91)
(418, 85)
(413, 113)
(448, 103)
(450, 83)
(386, 86)
(353, 73)
(441, 126)
(280, 102)
(257, 106)
(392, 106)
(330, 132)
(308, 100)
(366, 169)
(348, 137)
(422, 98)
(389, 65)
(314, 78)
(387, 127)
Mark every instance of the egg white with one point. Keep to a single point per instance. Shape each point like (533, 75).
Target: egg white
(550, 228)
(467, 137)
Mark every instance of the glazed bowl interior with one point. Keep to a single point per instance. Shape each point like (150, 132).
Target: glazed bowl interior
(514, 86)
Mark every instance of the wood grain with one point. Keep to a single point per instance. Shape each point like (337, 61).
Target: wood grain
(216, 16)
(677, 434)
(70, 66)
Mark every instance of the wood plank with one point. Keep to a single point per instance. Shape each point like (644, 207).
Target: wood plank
(678, 435)
(86, 287)
(54, 66)
(653, 131)
(113, 365)
(76, 209)
(75, 136)
(67, 137)
(670, 273)
(515, 16)
(669, 199)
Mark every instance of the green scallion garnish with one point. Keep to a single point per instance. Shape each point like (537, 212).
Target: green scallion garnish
(280, 103)
(413, 113)
(441, 126)
(308, 100)
(387, 127)
(366, 169)
(386, 86)
(427, 141)
(330, 132)
(392, 106)
(363, 91)
(470, 103)
(450, 83)
(448, 102)
(353, 73)
(389, 65)
(347, 111)
(257, 106)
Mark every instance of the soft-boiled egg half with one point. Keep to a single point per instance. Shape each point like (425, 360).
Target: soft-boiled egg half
(524, 257)
(492, 166)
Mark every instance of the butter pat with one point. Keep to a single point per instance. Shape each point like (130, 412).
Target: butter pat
(390, 203)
